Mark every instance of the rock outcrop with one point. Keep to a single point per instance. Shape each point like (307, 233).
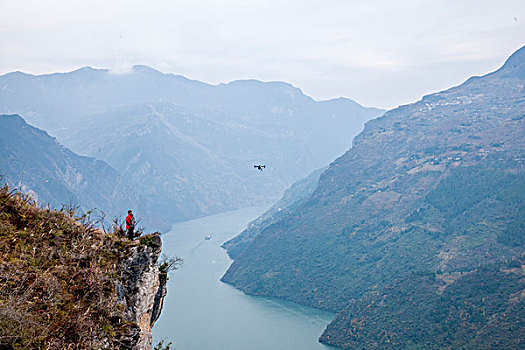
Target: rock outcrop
(141, 291)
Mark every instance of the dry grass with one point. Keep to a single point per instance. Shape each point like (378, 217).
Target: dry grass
(57, 276)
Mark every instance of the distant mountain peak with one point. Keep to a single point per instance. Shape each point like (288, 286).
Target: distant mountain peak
(85, 70)
(342, 100)
(516, 59)
(274, 86)
(12, 117)
(18, 74)
(256, 82)
(140, 68)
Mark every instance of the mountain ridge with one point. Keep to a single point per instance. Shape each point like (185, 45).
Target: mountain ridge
(142, 68)
(428, 188)
(38, 164)
(196, 141)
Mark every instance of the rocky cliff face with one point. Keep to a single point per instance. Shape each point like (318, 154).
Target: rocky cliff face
(141, 291)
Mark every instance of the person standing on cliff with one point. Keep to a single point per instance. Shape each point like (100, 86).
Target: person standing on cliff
(130, 224)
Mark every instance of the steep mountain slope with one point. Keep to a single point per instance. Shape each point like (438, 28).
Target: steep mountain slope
(482, 309)
(292, 198)
(189, 146)
(36, 163)
(435, 187)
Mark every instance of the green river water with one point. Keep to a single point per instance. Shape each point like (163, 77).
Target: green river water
(202, 313)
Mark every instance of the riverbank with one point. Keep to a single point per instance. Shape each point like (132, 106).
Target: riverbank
(200, 312)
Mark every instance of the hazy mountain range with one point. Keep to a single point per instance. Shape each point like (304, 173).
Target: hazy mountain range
(416, 235)
(187, 146)
(37, 164)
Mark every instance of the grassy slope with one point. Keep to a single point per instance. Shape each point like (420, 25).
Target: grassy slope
(57, 278)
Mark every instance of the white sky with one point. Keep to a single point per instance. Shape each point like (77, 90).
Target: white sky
(379, 53)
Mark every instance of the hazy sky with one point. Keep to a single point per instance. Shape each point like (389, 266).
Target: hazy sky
(379, 53)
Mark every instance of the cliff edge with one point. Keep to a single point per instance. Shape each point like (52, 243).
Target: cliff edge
(65, 284)
(141, 291)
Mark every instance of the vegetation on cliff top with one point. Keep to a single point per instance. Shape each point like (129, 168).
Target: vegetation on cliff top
(57, 274)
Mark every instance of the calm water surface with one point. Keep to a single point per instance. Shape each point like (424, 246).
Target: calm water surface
(202, 313)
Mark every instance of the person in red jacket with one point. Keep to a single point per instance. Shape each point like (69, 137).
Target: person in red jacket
(130, 224)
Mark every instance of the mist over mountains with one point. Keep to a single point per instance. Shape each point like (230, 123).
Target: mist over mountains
(416, 235)
(187, 146)
(39, 165)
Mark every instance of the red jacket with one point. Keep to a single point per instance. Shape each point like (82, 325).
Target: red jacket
(130, 221)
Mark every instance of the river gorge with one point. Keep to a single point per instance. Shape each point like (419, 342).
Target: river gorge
(200, 312)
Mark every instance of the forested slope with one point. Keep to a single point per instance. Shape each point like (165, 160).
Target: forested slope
(433, 188)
